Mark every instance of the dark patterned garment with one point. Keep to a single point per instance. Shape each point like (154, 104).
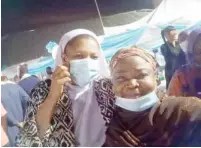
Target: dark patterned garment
(175, 121)
(61, 131)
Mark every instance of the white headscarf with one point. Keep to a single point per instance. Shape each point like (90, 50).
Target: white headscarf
(104, 70)
(89, 124)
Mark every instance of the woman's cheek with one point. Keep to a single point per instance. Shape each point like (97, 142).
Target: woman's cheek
(118, 88)
(147, 85)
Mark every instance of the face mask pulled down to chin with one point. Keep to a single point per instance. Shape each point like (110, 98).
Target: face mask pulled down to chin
(139, 104)
(83, 71)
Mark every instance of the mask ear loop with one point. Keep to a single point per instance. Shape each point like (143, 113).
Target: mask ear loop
(65, 61)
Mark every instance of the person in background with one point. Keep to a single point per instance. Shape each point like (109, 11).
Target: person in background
(27, 81)
(49, 73)
(141, 117)
(23, 71)
(4, 137)
(16, 79)
(75, 106)
(4, 78)
(183, 41)
(14, 99)
(187, 79)
(171, 50)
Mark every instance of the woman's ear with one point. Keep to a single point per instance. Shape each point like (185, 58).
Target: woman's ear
(65, 60)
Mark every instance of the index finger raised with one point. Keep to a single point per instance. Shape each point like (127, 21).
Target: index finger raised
(59, 69)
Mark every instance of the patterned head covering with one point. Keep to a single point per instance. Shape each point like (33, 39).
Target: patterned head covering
(133, 51)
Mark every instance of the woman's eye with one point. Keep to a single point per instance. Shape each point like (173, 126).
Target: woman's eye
(94, 57)
(142, 76)
(79, 56)
(120, 78)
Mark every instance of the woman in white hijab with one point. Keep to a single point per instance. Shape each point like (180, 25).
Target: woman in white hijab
(74, 108)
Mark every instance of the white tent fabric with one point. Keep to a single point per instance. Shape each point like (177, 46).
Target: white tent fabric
(169, 11)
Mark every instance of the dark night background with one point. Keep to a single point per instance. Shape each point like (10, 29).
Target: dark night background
(51, 18)
(18, 15)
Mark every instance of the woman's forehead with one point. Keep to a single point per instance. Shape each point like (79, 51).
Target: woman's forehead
(83, 44)
(131, 63)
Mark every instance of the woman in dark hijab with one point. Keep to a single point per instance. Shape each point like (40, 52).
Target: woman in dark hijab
(173, 55)
(141, 117)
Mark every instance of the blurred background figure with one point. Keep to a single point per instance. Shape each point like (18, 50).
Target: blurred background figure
(27, 81)
(14, 99)
(23, 71)
(3, 78)
(48, 73)
(187, 79)
(16, 79)
(171, 50)
(4, 137)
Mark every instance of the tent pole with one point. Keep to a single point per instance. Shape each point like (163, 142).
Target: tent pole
(99, 15)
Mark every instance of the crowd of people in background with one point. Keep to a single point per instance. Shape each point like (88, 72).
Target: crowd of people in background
(84, 102)
(14, 98)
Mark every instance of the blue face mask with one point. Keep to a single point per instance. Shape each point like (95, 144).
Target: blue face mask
(83, 71)
(137, 105)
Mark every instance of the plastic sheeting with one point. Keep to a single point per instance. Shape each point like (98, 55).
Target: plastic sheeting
(183, 12)
(113, 43)
(148, 38)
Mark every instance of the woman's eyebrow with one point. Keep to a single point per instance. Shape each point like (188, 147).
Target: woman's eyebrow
(117, 74)
(120, 72)
(135, 70)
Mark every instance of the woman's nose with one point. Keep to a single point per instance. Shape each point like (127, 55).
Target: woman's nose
(133, 84)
